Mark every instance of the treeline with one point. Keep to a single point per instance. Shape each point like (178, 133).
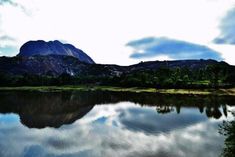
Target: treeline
(212, 76)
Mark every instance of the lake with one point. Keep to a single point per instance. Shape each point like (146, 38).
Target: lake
(117, 124)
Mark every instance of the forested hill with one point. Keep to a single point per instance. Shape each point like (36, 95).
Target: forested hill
(67, 70)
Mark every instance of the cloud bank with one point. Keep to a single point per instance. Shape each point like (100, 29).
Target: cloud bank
(6, 37)
(227, 28)
(2, 2)
(14, 4)
(174, 49)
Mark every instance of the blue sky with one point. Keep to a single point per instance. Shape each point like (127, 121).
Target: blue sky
(105, 29)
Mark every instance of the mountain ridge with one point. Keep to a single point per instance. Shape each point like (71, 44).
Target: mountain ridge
(56, 65)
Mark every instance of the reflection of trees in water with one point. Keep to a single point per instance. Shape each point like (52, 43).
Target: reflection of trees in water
(211, 111)
(228, 129)
(225, 111)
(211, 106)
(164, 109)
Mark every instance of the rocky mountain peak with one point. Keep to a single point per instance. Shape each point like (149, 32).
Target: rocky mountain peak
(40, 47)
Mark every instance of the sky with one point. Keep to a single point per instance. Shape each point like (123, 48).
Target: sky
(124, 32)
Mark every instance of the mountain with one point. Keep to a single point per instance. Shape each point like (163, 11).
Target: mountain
(40, 47)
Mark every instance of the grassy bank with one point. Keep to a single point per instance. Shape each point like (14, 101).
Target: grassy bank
(230, 91)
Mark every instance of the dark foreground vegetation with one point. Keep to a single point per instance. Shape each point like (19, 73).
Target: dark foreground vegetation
(228, 130)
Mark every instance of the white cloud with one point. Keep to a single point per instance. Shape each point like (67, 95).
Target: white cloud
(227, 35)
(102, 28)
(177, 49)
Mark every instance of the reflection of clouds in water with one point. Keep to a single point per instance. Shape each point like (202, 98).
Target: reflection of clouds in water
(95, 135)
(110, 111)
(148, 121)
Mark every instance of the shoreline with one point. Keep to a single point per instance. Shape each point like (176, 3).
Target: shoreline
(219, 92)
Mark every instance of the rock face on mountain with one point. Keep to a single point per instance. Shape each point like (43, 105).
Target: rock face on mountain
(40, 47)
(53, 65)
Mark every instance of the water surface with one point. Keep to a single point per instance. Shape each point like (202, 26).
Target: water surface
(100, 124)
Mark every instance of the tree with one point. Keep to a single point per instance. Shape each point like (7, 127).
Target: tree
(65, 79)
(213, 72)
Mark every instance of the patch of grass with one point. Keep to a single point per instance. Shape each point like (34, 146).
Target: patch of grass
(184, 91)
(203, 82)
(230, 91)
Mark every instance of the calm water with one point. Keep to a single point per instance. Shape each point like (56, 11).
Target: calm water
(105, 124)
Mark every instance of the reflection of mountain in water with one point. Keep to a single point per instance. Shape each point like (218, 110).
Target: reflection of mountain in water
(42, 109)
(39, 110)
(42, 120)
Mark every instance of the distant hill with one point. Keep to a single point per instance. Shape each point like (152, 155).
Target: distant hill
(40, 47)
